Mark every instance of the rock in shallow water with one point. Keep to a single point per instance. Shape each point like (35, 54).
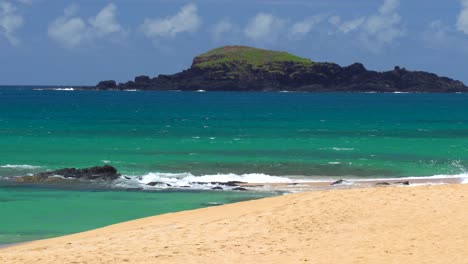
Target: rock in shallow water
(159, 184)
(239, 189)
(105, 172)
(341, 181)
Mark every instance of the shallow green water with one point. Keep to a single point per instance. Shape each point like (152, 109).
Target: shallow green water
(35, 213)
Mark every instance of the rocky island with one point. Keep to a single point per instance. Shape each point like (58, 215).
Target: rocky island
(241, 68)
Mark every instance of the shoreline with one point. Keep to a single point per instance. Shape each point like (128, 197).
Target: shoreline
(425, 223)
(306, 186)
(13, 244)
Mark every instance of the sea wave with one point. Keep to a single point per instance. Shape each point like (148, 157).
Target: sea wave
(429, 178)
(185, 180)
(342, 149)
(188, 180)
(64, 89)
(22, 166)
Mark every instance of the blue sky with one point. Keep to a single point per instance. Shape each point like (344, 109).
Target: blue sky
(61, 42)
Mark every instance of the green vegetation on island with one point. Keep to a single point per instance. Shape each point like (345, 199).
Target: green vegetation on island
(258, 58)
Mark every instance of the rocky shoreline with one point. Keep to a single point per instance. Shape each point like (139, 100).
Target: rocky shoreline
(107, 175)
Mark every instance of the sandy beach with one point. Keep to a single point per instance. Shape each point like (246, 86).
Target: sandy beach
(423, 224)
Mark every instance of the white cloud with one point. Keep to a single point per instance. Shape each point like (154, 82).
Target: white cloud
(389, 6)
(105, 21)
(384, 27)
(351, 25)
(377, 30)
(72, 31)
(224, 29)
(10, 21)
(436, 34)
(302, 28)
(443, 38)
(186, 20)
(462, 20)
(264, 28)
(334, 20)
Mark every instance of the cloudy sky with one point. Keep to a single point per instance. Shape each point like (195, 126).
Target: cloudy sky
(61, 42)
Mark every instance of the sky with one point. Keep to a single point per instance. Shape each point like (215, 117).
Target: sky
(61, 42)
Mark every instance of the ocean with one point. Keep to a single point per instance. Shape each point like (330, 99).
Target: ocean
(185, 137)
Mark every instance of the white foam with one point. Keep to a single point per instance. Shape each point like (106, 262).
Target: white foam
(342, 149)
(429, 178)
(179, 180)
(64, 89)
(207, 182)
(23, 166)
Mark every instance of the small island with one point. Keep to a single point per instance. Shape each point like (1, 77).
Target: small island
(241, 68)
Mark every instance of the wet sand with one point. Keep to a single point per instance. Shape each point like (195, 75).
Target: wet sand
(304, 186)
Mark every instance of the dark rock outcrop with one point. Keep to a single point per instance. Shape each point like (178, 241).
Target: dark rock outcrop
(382, 184)
(403, 182)
(239, 189)
(338, 182)
(228, 183)
(106, 85)
(159, 184)
(225, 70)
(105, 172)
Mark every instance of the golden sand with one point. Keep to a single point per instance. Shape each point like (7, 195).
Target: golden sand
(425, 224)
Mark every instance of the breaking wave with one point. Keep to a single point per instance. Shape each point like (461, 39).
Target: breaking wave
(22, 167)
(188, 180)
(64, 89)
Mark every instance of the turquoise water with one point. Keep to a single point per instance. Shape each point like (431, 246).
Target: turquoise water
(362, 135)
(181, 137)
(29, 213)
